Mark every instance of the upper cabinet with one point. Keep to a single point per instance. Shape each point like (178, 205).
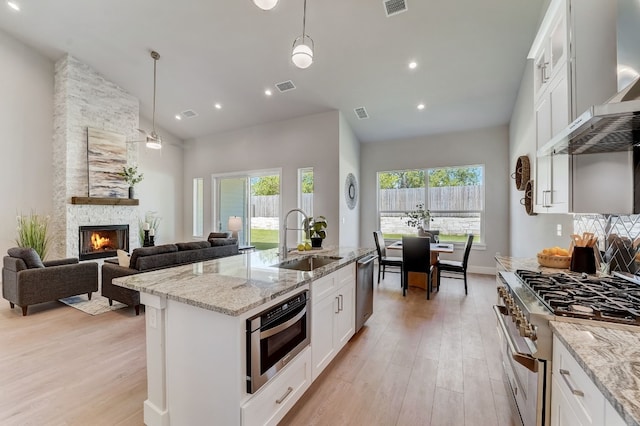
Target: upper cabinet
(574, 67)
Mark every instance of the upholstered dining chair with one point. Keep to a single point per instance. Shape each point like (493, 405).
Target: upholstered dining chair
(416, 257)
(455, 266)
(383, 259)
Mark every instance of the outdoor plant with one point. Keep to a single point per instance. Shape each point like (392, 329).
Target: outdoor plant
(32, 232)
(316, 226)
(419, 217)
(130, 175)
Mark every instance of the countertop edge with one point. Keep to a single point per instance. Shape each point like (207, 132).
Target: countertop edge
(602, 387)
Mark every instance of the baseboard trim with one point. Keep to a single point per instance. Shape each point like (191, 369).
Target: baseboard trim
(485, 270)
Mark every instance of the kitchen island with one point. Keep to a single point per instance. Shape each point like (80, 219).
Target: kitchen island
(196, 341)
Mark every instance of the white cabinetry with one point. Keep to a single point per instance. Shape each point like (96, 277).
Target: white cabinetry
(332, 316)
(575, 399)
(270, 404)
(574, 67)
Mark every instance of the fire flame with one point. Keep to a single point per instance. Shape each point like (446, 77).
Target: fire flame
(99, 242)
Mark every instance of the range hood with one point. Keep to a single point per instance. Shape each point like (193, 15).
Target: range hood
(611, 127)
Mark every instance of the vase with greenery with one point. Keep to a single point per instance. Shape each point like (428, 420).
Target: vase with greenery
(132, 177)
(32, 232)
(419, 218)
(316, 228)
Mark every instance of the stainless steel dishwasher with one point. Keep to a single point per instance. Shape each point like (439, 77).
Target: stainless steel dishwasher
(364, 290)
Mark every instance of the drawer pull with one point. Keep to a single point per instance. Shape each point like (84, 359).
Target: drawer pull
(286, 394)
(564, 374)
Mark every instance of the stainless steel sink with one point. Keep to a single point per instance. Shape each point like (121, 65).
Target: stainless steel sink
(307, 263)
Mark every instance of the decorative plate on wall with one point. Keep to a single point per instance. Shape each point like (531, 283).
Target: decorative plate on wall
(351, 191)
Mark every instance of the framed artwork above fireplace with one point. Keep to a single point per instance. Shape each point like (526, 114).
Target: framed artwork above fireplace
(106, 155)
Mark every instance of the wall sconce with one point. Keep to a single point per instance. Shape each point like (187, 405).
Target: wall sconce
(234, 225)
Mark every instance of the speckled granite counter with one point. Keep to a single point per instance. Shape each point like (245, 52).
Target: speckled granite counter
(236, 284)
(611, 358)
(511, 264)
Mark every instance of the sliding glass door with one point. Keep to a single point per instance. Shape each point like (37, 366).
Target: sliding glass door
(254, 198)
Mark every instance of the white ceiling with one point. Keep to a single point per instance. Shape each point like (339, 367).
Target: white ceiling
(471, 56)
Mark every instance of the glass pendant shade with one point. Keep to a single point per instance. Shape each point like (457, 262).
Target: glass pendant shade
(154, 141)
(265, 4)
(302, 54)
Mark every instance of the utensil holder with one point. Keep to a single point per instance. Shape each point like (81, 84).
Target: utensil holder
(583, 260)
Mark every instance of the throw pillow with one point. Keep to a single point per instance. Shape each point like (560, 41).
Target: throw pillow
(123, 258)
(28, 255)
(219, 235)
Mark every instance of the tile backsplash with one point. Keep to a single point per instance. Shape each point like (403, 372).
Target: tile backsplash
(618, 238)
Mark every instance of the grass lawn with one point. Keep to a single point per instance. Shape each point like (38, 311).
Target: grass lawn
(264, 239)
(444, 238)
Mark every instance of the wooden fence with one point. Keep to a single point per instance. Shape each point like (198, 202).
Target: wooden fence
(456, 198)
(269, 205)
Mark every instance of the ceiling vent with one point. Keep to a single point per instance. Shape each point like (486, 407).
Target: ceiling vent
(285, 86)
(361, 112)
(188, 113)
(393, 7)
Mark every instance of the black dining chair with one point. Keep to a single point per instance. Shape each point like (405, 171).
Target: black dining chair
(383, 259)
(416, 257)
(455, 266)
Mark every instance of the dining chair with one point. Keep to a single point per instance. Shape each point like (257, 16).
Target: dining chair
(383, 259)
(434, 234)
(416, 257)
(456, 266)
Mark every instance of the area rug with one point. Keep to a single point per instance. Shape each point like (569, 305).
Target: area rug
(96, 306)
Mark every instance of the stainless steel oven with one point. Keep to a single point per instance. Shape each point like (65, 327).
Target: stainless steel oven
(275, 336)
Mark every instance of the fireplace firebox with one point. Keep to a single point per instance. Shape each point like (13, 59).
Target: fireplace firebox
(100, 241)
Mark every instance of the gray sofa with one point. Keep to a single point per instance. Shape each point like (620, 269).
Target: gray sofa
(160, 257)
(26, 280)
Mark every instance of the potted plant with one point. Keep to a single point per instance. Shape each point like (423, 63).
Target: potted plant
(316, 227)
(419, 218)
(32, 232)
(132, 177)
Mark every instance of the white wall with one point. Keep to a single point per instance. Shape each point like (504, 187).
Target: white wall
(309, 141)
(26, 120)
(161, 189)
(482, 146)
(529, 234)
(349, 163)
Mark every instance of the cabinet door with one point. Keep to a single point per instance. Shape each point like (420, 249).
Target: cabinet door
(557, 43)
(559, 183)
(323, 317)
(561, 412)
(559, 111)
(346, 320)
(611, 416)
(540, 72)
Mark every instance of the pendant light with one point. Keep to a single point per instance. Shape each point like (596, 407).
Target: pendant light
(154, 141)
(265, 4)
(302, 53)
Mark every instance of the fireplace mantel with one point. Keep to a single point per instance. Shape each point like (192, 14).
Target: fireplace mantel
(111, 201)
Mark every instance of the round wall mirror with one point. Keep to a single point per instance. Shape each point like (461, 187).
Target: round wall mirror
(351, 191)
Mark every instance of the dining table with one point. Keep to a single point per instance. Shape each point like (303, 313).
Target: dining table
(417, 279)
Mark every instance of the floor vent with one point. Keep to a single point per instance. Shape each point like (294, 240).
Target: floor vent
(285, 86)
(393, 7)
(361, 113)
(188, 113)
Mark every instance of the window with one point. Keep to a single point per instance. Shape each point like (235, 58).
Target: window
(198, 206)
(454, 196)
(305, 195)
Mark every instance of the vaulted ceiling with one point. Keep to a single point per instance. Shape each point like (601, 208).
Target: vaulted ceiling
(470, 58)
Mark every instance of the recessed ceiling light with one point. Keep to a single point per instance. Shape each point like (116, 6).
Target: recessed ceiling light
(413, 65)
(217, 106)
(267, 92)
(420, 106)
(178, 117)
(13, 5)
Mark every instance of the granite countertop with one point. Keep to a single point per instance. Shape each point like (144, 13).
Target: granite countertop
(610, 355)
(511, 264)
(236, 284)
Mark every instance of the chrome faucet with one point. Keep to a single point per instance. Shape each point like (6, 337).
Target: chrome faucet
(305, 228)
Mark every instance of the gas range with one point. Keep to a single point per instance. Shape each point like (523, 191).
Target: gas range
(611, 299)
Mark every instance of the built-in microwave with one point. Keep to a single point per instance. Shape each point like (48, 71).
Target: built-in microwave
(275, 336)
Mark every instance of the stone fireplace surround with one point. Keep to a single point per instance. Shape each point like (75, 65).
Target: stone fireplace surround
(82, 99)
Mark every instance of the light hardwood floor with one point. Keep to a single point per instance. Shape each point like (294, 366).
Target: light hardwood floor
(416, 362)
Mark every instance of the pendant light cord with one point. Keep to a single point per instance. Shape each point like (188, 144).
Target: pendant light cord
(153, 124)
(304, 19)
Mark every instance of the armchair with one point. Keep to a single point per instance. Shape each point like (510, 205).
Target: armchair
(24, 285)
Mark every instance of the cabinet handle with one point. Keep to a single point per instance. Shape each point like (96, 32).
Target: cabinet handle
(564, 374)
(286, 394)
(545, 203)
(545, 77)
(340, 303)
(338, 307)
